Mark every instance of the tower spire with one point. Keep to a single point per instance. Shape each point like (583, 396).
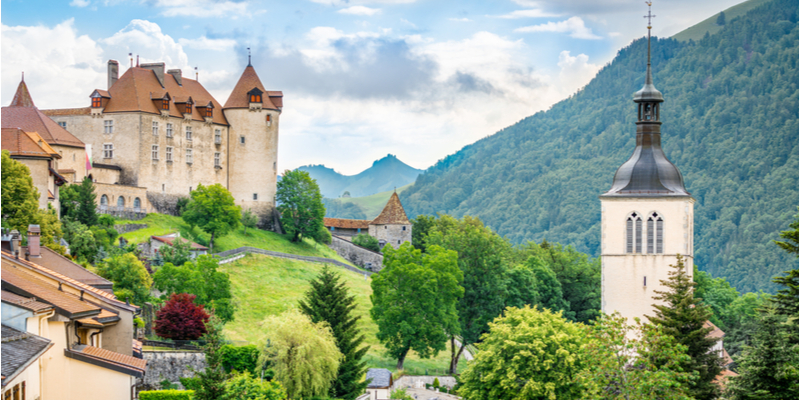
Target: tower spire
(649, 16)
(249, 64)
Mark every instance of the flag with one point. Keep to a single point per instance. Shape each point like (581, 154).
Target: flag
(88, 157)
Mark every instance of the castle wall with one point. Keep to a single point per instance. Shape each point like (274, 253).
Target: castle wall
(128, 193)
(623, 284)
(72, 158)
(253, 164)
(395, 235)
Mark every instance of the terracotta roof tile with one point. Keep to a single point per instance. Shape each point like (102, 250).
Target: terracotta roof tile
(22, 98)
(30, 119)
(45, 291)
(246, 83)
(171, 239)
(716, 332)
(346, 223)
(67, 111)
(111, 357)
(30, 304)
(20, 143)
(392, 214)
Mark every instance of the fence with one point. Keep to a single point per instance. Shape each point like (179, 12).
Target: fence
(230, 255)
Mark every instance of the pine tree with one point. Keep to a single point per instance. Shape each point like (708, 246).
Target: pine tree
(683, 317)
(329, 300)
(211, 385)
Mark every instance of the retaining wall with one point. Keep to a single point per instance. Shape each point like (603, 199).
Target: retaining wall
(419, 381)
(125, 228)
(358, 255)
(171, 365)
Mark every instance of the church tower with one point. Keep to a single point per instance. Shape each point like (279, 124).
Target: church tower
(253, 114)
(647, 216)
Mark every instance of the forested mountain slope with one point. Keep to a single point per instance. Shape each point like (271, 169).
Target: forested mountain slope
(384, 174)
(730, 125)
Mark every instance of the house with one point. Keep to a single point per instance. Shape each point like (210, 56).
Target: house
(379, 383)
(156, 242)
(156, 134)
(391, 226)
(31, 149)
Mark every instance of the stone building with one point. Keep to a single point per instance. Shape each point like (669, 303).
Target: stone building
(155, 135)
(391, 226)
(41, 159)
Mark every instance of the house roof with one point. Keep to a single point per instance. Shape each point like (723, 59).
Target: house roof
(273, 100)
(381, 378)
(21, 143)
(66, 267)
(392, 214)
(346, 223)
(30, 304)
(715, 333)
(68, 111)
(20, 349)
(132, 93)
(23, 114)
(108, 359)
(171, 239)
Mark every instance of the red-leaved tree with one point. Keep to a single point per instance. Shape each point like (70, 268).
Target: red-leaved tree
(181, 318)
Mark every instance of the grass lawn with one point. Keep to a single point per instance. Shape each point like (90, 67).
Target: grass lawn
(265, 286)
(161, 224)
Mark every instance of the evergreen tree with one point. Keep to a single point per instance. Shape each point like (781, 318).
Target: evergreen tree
(786, 301)
(211, 384)
(721, 19)
(86, 211)
(329, 300)
(683, 317)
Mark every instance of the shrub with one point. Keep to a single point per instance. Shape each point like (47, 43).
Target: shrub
(245, 387)
(166, 395)
(324, 236)
(192, 383)
(367, 242)
(138, 322)
(240, 358)
(436, 383)
(181, 319)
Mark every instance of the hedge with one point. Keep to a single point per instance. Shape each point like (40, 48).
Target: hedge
(166, 395)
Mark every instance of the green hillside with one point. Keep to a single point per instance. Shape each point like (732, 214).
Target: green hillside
(384, 175)
(367, 207)
(696, 32)
(265, 286)
(730, 125)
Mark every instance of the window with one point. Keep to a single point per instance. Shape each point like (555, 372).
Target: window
(103, 202)
(404, 228)
(188, 133)
(269, 120)
(120, 201)
(217, 136)
(62, 124)
(241, 139)
(97, 102)
(137, 204)
(169, 130)
(188, 108)
(255, 98)
(108, 150)
(209, 112)
(633, 234)
(255, 196)
(650, 235)
(638, 235)
(165, 104)
(155, 128)
(216, 159)
(154, 152)
(169, 154)
(108, 126)
(659, 236)
(188, 156)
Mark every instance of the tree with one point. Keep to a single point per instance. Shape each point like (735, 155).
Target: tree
(82, 245)
(86, 212)
(414, 300)
(422, 225)
(51, 229)
(210, 383)
(786, 300)
(181, 318)
(632, 362)
(368, 242)
(527, 354)
(550, 295)
(243, 386)
(213, 210)
(721, 19)
(682, 316)
(179, 253)
(300, 205)
(249, 220)
(330, 301)
(483, 260)
(303, 354)
(127, 272)
(522, 287)
(201, 278)
(20, 199)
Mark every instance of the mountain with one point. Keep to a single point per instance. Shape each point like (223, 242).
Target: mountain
(730, 124)
(367, 207)
(384, 175)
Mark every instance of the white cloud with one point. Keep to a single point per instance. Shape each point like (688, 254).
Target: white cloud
(460, 19)
(527, 3)
(531, 13)
(204, 43)
(360, 10)
(145, 39)
(205, 8)
(342, 3)
(80, 3)
(574, 26)
(575, 72)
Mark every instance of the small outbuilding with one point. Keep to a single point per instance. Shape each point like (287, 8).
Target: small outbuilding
(379, 383)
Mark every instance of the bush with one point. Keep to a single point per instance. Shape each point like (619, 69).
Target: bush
(166, 395)
(245, 387)
(191, 384)
(138, 322)
(367, 242)
(436, 383)
(106, 221)
(240, 358)
(324, 236)
(181, 319)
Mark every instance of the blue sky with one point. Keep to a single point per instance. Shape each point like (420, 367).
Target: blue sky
(416, 78)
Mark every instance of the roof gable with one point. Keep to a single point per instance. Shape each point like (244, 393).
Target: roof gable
(247, 83)
(23, 114)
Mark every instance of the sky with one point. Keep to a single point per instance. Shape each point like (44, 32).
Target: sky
(361, 79)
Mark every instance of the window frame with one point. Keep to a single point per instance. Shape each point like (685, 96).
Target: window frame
(217, 136)
(155, 128)
(108, 150)
(154, 152)
(168, 154)
(97, 102)
(217, 158)
(189, 157)
(188, 132)
(169, 130)
(108, 126)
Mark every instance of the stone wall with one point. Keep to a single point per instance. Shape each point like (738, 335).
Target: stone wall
(125, 228)
(419, 381)
(357, 254)
(129, 195)
(72, 158)
(164, 203)
(170, 365)
(392, 234)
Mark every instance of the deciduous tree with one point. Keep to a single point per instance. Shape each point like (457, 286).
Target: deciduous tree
(300, 205)
(202, 278)
(180, 318)
(244, 386)
(249, 220)
(20, 199)
(414, 300)
(127, 272)
(213, 210)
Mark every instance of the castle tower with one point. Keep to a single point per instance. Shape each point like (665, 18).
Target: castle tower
(647, 216)
(391, 226)
(253, 114)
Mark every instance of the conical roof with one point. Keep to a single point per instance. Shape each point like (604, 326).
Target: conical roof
(247, 82)
(392, 214)
(23, 114)
(22, 98)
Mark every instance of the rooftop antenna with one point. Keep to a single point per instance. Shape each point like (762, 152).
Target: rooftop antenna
(137, 61)
(130, 55)
(248, 58)
(196, 74)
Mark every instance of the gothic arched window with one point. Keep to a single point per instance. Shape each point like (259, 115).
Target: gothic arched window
(638, 235)
(655, 234)
(659, 235)
(633, 234)
(650, 235)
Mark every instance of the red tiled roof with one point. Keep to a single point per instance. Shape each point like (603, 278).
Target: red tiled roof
(346, 223)
(68, 111)
(716, 333)
(64, 266)
(45, 291)
(24, 302)
(170, 239)
(132, 92)
(21, 143)
(392, 214)
(111, 357)
(248, 81)
(23, 114)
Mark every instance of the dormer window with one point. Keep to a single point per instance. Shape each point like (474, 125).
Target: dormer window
(97, 102)
(208, 112)
(188, 107)
(165, 105)
(255, 95)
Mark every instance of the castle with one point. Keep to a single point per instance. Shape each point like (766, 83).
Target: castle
(154, 135)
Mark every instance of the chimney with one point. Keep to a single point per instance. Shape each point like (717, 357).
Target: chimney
(177, 74)
(113, 72)
(158, 68)
(33, 241)
(15, 239)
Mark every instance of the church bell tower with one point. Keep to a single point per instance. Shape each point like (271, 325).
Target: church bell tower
(647, 215)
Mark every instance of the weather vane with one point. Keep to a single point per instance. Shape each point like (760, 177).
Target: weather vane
(649, 16)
